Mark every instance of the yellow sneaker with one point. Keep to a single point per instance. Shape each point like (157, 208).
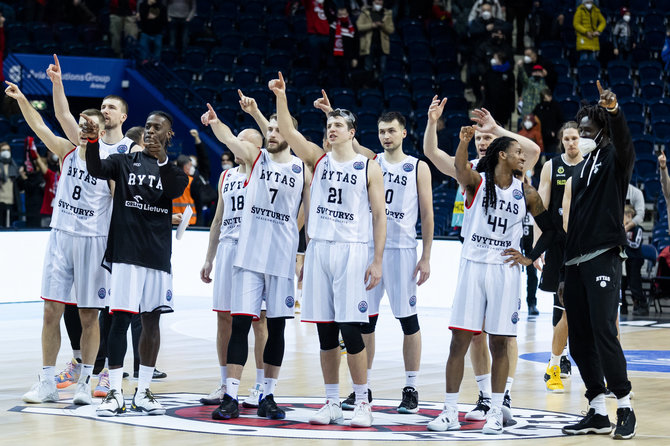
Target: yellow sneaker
(297, 306)
(554, 383)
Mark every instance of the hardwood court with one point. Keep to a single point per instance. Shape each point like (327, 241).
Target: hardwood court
(188, 356)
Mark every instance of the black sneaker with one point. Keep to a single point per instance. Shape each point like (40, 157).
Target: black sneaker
(566, 367)
(157, 374)
(267, 408)
(350, 402)
(592, 423)
(507, 409)
(625, 424)
(533, 311)
(229, 408)
(410, 401)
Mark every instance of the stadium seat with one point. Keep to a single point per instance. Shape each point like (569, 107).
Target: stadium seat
(214, 76)
(569, 106)
(636, 125)
(651, 89)
(195, 57)
(652, 189)
(588, 71)
(659, 107)
(643, 145)
(623, 89)
(661, 129)
(250, 59)
(650, 71)
(632, 106)
(245, 77)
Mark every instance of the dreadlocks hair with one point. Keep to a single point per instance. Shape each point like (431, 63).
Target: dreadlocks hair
(596, 114)
(487, 165)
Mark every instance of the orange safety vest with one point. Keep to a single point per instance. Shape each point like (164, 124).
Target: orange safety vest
(179, 204)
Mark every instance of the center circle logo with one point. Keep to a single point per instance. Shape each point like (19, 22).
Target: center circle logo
(289, 301)
(296, 168)
(102, 293)
(122, 148)
(362, 306)
(359, 165)
(168, 296)
(517, 194)
(408, 167)
(412, 301)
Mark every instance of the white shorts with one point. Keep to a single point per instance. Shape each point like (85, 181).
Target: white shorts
(223, 275)
(251, 288)
(397, 270)
(334, 282)
(487, 294)
(74, 260)
(137, 289)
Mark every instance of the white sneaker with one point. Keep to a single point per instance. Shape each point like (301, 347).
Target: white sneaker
(251, 401)
(481, 409)
(362, 415)
(43, 391)
(112, 405)
(214, 398)
(82, 395)
(446, 421)
(494, 422)
(145, 402)
(330, 413)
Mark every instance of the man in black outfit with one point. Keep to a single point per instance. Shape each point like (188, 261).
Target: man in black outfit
(596, 194)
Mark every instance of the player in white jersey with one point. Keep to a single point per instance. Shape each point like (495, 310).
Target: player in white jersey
(487, 130)
(346, 186)
(223, 238)
(489, 277)
(79, 232)
(278, 183)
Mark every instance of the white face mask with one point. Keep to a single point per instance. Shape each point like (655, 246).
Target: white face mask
(527, 59)
(528, 124)
(377, 7)
(486, 15)
(5, 154)
(588, 145)
(191, 171)
(226, 166)
(54, 158)
(494, 62)
(626, 18)
(588, 6)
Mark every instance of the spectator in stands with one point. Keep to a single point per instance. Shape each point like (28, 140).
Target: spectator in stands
(518, 10)
(206, 196)
(532, 129)
(180, 204)
(665, 52)
(533, 86)
(588, 22)
(153, 21)
(343, 52)
(491, 10)
(2, 49)
(318, 32)
(531, 58)
(375, 25)
(122, 23)
(623, 36)
(481, 27)
(633, 277)
(498, 88)
(440, 13)
(77, 12)
(31, 182)
(551, 117)
(9, 192)
(635, 198)
(481, 59)
(51, 172)
(665, 179)
(227, 160)
(180, 13)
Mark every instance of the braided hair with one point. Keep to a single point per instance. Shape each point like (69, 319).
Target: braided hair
(596, 114)
(487, 165)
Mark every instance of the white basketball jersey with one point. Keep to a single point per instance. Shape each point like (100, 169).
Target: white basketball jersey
(402, 201)
(491, 231)
(83, 203)
(232, 194)
(339, 204)
(466, 216)
(122, 146)
(269, 231)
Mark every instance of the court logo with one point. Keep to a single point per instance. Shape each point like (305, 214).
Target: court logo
(359, 165)
(122, 148)
(412, 301)
(297, 169)
(516, 193)
(289, 301)
(362, 306)
(408, 167)
(515, 317)
(102, 293)
(168, 296)
(185, 413)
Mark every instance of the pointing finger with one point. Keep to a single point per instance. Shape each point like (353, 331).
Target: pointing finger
(56, 60)
(600, 87)
(281, 77)
(209, 106)
(240, 93)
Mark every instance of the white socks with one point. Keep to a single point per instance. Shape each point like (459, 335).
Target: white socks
(232, 386)
(555, 360)
(48, 373)
(369, 377)
(361, 391)
(115, 379)
(144, 378)
(598, 403)
(451, 400)
(410, 379)
(224, 374)
(260, 377)
(624, 402)
(333, 392)
(497, 399)
(484, 384)
(86, 372)
(76, 354)
(508, 385)
(269, 385)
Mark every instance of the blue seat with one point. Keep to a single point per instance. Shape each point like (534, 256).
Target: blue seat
(394, 81)
(636, 125)
(454, 104)
(400, 101)
(646, 168)
(195, 57)
(206, 92)
(257, 41)
(651, 89)
(451, 87)
(343, 98)
(618, 70)
(222, 24)
(283, 42)
(371, 99)
(650, 71)
(624, 89)
(661, 129)
(232, 41)
(655, 38)
(644, 145)
(632, 106)
(214, 76)
(551, 49)
(168, 56)
(311, 117)
(223, 58)
(5, 127)
(588, 70)
(303, 78)
(185, 73)
(250, 59)
(245, 77)
(562, 69)
(276, 27)
(456, 121)
(569, 107)
(367, 119)
(659, 108)
(564, 88)
(589, 91)
(421, 65)
(652, 189)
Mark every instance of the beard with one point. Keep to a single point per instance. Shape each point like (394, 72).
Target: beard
(278, 148)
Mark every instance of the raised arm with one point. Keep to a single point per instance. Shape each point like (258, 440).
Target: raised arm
(469, 179)
(242, 149)
(373, 274)
(67, 122)
(248, 105)
(214, 232)
(621, 139)
(443, 161)
(57, 145)
(305, 150)
(487, 124)
(567, 199)
(425, 192)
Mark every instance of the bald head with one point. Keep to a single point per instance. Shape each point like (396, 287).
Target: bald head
(253, 136)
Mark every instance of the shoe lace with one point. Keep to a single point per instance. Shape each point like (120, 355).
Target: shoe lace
(483, 404)
(111, 395)
(149, 396)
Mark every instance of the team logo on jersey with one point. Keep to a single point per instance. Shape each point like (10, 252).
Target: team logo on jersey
(102, 293)
(290, 301)
(122, 148)
(515, 317)
(412, 301)
(517, 194)
(295, 168)
(602, 281)
(408, 167)
(561, 169)
(362, 306)
(168, 296)
(359, 165)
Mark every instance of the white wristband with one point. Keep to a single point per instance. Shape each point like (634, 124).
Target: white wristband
(164, 162)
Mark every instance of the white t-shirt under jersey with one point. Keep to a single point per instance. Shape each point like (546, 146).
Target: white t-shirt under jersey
(233, 194)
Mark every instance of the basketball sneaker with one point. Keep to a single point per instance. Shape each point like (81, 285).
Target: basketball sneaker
(229, 408)
(566, 367)
(350, 402)
(362, 415)
(144, 401)
(445, 421)
(267, 408)
(103, 384)
(82, 395)
(69, 375)
(157, 374)
(554, 383)
(592, 423)
(481, 409)
(343, 348)
(507, 408)
(297, 307)
(112, 405)
(494, 422)
(43, 391)
(625, 423)
(330, 413)
(410, 401)
(215, 397)
(252, 401)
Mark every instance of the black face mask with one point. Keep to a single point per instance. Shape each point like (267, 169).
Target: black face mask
(537, 77)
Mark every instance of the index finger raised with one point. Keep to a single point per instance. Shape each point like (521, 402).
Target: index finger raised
(600, 87)
(56, 61)
(240, 93)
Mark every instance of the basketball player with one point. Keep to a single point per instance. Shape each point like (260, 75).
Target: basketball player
(79, 232)
(276, 186)
(553, 177)
(595, 196)
(223, 239)
(138, 251)
(486, 295)
(486, 131)
(345, 188)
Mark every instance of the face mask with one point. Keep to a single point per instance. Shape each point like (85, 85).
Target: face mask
(588, 6)
(588, 145)
(494, 62)
(537, 77)
(486, 15)
(226, 166)
(527, 59)
(191, 171)
(377, 7)
(528, 124)
(626, 18)
(5, 154)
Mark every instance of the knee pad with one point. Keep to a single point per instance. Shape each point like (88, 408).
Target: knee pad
(557, 312)
(369, 327)
(238, 346)
(353, 340)
(273, 353)
(328, 338)
(409, 324)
